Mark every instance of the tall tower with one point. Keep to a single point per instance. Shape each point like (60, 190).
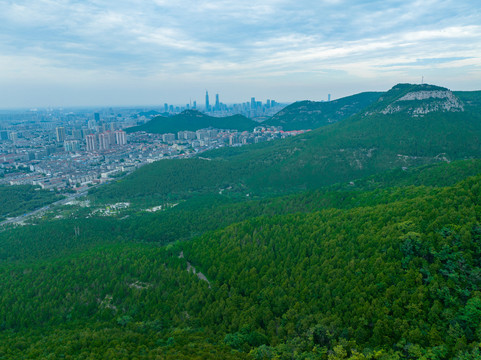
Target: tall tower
(217, 104)
(328, 97)
(207, 106)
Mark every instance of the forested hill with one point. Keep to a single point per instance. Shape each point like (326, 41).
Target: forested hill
(313, 114)
(193, 120)
(410, 125)
(392, 275)
(425, 126)
(402, 277)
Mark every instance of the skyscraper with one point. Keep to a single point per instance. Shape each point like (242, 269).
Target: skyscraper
(328, 97)
(207, 106)
(253, 103)
(97, 117)
(217, 104)
(60, 132)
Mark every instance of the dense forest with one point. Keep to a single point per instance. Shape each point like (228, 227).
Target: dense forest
(298, 278)
(19, 199)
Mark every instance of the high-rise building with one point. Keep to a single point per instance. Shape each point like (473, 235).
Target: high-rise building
(207, 106)
(120, 137)
(91, 142)
(212, 133)
(77, 134)
(3, 135)
(194, 106)
(168, 138)
(186, 135)
(202, 134)
(217, 104)
(328, 97)
(104, 141)
(233, 139)
(166, 107)
(253, 103)
(13, 136)
(97, 117)
(60, 132)
(71, 145)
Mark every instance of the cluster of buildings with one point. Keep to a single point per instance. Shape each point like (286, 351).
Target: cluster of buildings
(205, 139)
(105, 140)
(74, 150)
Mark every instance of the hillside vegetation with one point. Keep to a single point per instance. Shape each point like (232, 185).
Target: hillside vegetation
(193, 120)
(313, 114)
(19, 199)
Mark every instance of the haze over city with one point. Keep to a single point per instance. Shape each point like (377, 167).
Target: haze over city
(67, 53)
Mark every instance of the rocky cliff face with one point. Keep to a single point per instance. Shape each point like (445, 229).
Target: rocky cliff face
(425, 101)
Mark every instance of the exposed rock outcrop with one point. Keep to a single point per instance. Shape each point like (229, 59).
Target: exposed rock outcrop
(425, 101)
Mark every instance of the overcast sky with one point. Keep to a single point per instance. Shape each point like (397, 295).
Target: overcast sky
(99, 52)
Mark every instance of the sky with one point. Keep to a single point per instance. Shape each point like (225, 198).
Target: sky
(99, 52)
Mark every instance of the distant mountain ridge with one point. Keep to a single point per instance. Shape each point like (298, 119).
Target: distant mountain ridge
(193, 120)
(313, 114)
(367, 143)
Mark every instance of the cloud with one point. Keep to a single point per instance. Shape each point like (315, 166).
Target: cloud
(276, 40)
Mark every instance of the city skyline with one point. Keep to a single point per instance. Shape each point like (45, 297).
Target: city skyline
(94, 54)
(190, 103)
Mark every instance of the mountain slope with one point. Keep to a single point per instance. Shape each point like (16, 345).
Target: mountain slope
(312, 114)
(399, 276)
(193, 120)
(366, 143)
(390, 280)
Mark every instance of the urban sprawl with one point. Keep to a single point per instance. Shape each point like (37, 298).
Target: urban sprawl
(73, 150)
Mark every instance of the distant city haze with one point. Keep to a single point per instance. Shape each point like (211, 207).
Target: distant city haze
(95, 53)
